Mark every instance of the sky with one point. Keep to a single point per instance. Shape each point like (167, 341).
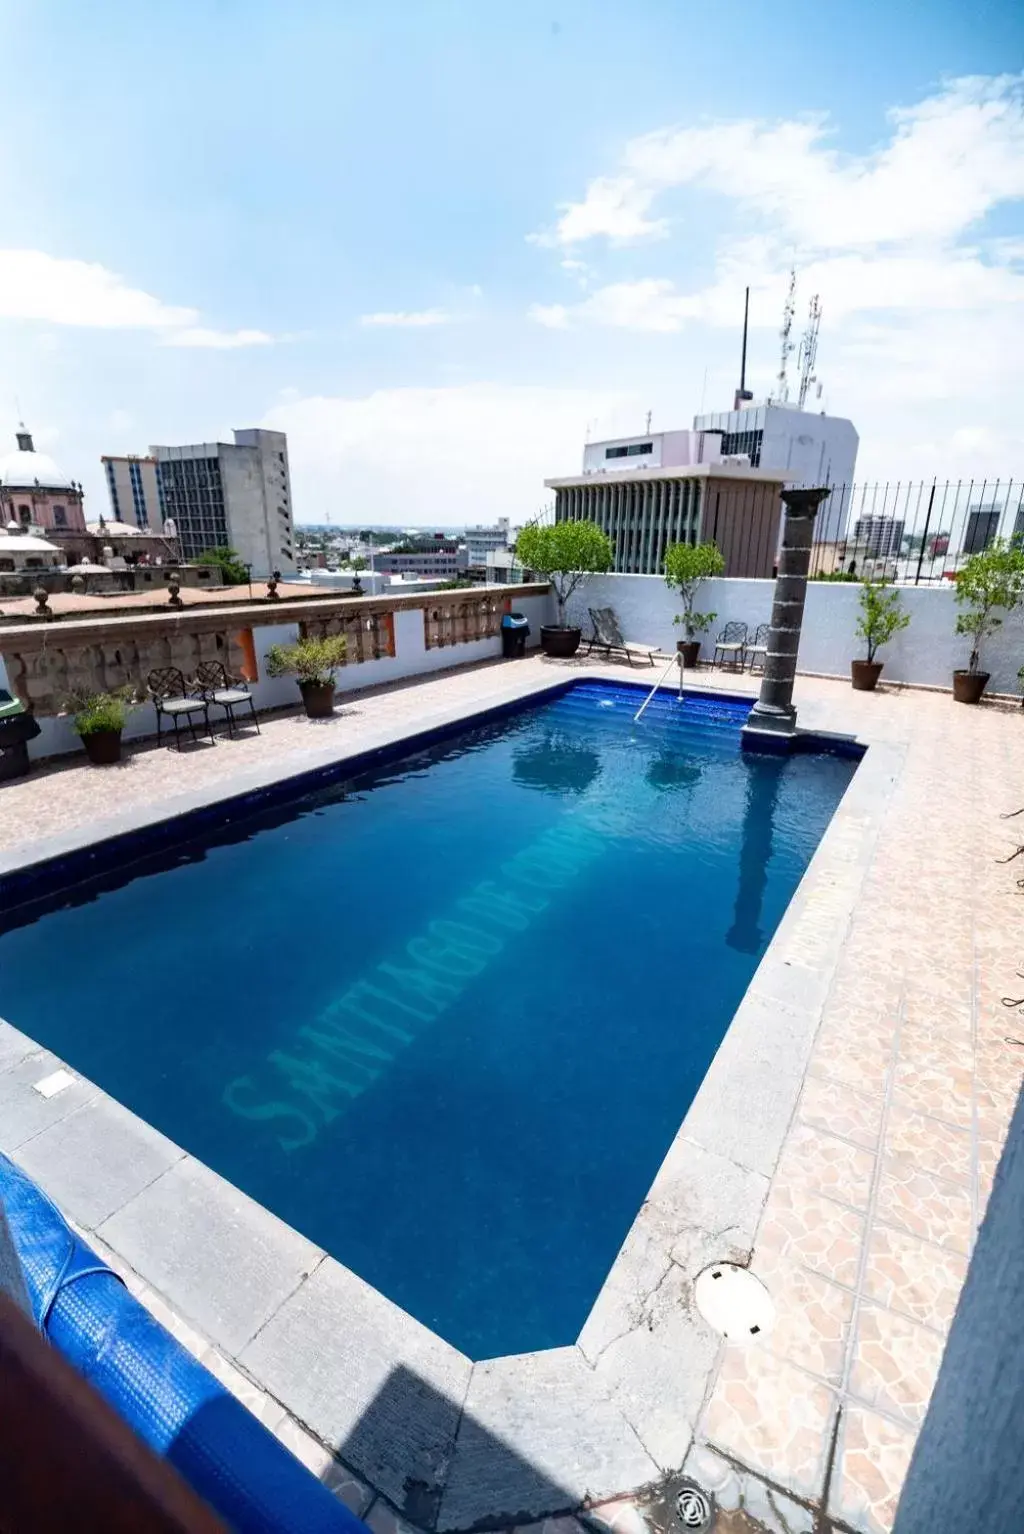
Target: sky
(439, 242)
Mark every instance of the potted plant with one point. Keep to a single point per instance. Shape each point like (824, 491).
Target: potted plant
(991, 581)
(687, 565)
(565, 552)
(99, 718)
(881, 616)
(313, 662)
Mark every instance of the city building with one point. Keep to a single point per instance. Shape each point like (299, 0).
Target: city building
(878, 537)
(808, 448)
(443, 561)
(671, 487)
(21, 551)
(236, 495)
(982, 526)
(35, 493)
(134, 491)
(480, 541)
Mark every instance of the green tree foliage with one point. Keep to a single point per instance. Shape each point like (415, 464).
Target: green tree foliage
(232, 570)
(991, 581)
(881, 615)
(310, 660)
(687, 565)
(566, 552)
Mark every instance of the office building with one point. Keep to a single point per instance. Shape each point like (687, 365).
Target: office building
(982, 527)
(481, 541)
(807, 449)
(235, 495)
(672, 487)
(133, 488)
(441, 561)
(878, 537)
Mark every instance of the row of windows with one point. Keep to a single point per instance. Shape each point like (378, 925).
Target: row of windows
(743, 442)
(634, 450)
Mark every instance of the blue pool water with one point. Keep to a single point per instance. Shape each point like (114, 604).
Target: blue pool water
(446, 1017)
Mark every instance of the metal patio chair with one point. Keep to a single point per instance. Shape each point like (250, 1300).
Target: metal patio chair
(174, 698)
(607, 636)
(759, 645)
(731, 644)
(217, 685)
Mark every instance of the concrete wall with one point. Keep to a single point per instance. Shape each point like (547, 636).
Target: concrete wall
(926, 653)
(411, 658)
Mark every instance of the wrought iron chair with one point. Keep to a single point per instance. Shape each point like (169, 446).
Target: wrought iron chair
(732, 644)
(174, 698)
(759, 645)
(217, 685)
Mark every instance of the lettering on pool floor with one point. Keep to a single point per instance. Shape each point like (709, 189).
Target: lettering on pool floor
(338, 1056)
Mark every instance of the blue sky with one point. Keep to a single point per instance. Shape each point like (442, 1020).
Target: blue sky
(437, 243)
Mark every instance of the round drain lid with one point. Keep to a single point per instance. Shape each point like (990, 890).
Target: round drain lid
(694, 1507)
(734, 1302)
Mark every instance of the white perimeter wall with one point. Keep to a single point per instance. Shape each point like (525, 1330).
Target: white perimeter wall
(411, 658)
(927, 652)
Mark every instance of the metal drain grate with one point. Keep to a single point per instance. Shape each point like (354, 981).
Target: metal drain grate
(694, 1507)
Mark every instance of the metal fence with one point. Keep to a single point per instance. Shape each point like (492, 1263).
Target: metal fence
(919, 531)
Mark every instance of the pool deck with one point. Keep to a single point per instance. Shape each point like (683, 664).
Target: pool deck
(842, 1145)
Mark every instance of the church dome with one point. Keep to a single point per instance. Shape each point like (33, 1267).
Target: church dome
(26, 469)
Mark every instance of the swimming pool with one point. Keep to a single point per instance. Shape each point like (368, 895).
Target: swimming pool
(445, 1017)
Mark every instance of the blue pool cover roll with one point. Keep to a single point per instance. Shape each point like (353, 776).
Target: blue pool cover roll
(172, 1403)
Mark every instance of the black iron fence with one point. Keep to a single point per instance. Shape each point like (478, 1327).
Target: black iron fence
(916, 531)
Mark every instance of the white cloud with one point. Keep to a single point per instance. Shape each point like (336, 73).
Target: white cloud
(553, 316)
(216, 340)
(436, 456)
(58, 291)
(949, 160)
(412, 319)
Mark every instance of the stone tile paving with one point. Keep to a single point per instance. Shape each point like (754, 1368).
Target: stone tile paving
(872, 1210)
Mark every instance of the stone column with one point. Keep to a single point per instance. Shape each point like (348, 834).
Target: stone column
(772, 722)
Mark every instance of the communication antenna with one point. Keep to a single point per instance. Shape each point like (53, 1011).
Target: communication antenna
(809, 351)
(743, 394)
(647, 424)
(782, 382)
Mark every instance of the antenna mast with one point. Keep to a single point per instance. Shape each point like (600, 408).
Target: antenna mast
(743, 393)
(809, 351)
(782, 382)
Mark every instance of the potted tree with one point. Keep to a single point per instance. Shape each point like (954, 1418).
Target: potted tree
(565, 552)
(881, 616)
(313, 663)
(991, 581)
(99, 718)
(687, 565)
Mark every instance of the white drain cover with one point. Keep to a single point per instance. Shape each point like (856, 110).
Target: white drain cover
(734, 1302)
(51, 1085)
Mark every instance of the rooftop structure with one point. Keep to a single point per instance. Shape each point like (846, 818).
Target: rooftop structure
(34, 492)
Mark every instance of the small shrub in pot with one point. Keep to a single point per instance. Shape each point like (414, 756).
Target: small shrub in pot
(687, 566)
(990, 583)
(313, 663)
(566, 553)
(881, 617)
(99, 718)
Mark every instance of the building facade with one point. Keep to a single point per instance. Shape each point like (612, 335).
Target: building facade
(442, 562)
(480, 541)
(878, 537)
(737, 508)
(220, 494)
(654, 450)
(35, 493)
(134, 490)
(808, 449)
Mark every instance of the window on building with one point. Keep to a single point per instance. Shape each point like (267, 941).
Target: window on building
(25, 514)
(60, 517)
(631, 450)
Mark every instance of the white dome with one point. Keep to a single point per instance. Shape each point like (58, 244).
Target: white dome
(26, 469)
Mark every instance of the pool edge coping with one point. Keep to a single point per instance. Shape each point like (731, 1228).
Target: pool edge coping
(762, 1015)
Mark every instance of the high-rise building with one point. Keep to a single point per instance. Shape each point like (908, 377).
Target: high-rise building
(878, 537)
(481, 541)
(808, 449)
(982, 527)
(134, 490)
(235, 495)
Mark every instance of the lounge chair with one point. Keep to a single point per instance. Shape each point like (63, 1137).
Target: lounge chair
(216, 684)
(173, 696)
(731, 644)
(607, 636)
(759, 647)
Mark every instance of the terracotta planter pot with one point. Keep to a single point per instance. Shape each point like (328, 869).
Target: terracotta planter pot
(968, 686)
(689, 649)
(559, 643)
(103, 747)
(864, 674)
(318, 699)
